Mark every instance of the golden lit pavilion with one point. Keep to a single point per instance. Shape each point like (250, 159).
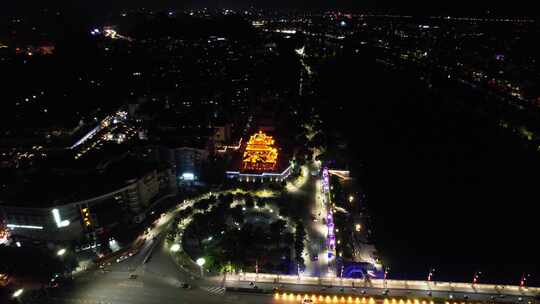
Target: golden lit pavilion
(260, 153)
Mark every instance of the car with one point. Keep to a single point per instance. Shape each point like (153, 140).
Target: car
(121, 258)
(185, 285)
(133, 276)
(307, 301)
(314, 257)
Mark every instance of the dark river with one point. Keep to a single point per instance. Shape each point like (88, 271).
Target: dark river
(447, 188)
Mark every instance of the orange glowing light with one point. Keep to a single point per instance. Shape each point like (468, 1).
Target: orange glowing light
(260, 153)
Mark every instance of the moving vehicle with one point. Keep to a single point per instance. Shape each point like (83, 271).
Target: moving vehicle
(121, 258)
(307, 301)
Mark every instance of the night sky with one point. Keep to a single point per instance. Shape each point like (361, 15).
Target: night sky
(414, 7)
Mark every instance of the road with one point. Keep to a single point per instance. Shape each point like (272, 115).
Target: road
(309, 188)
(158, 281)
(316, 235)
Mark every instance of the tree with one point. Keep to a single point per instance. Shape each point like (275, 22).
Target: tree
(284, 209)
(228, 199)
(200, 227)
(261, 203)
(202, 205)
(250, 203)
(299, 237)
(237, 214)
(171, 236)
(276, 230)
(288, 239)
(185, 212)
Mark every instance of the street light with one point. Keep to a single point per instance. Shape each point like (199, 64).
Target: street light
(200, 262)
(476, 276)
(430, 275)
(61, 252)
(175, 248)
(523, 281)
(17, 293)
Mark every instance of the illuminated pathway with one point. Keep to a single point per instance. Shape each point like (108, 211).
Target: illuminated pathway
(330, 237)
(315, 244)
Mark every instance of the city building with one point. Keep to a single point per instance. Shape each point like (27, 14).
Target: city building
(260, 161)
(89, 206)
(188, 163)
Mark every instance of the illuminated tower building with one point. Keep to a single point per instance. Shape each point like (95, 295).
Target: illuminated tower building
(260, 153)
